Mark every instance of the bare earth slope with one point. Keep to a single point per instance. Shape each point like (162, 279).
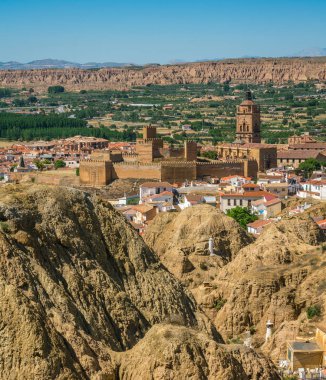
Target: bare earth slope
(237, 70)
(79, 290)
(276, 277)
(181, 242)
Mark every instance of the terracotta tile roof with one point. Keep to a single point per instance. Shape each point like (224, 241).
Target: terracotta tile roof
(164, 193)
(309, 145)
(322, 224)
(156, 184)
(272, 202)
(250, 185)
(143, 208)
(194, 198)
(230, 177)
(298, 154)
(272, 185)
(250, 194)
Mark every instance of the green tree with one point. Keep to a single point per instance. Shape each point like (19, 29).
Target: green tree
(32, 99)
(56, 89)
(39, 164)
(5, 92)
(211, 154)
(59, 164)
(309, 166)
(313, 311)
(242, 215)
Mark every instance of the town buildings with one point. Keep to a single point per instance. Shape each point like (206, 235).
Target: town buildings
(153, 160)
(248, 141)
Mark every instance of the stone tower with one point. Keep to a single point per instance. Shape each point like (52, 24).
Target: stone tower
(248, 121)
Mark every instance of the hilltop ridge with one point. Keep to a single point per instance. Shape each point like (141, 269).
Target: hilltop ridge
(260, 70)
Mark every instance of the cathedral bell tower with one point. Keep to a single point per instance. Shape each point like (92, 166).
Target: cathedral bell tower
(248, 121)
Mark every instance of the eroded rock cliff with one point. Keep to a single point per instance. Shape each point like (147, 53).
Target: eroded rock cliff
(276, 277)
(80, 291)
(236, 70)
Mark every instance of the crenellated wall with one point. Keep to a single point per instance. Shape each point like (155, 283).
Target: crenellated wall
(220, 168)
(95, 172)
(125, 170)
(101, 173)
(178, 171)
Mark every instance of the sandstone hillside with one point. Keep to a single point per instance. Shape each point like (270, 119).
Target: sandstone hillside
(277, 277)
(82, 297)
(181, 242)
(237, 70)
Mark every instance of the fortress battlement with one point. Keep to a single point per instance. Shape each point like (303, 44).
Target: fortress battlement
(126, 154)
(132, 163)
(92, 161)
(148, 140)
(178, 163)
(220, 162)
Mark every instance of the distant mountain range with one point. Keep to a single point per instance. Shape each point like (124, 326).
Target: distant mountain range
(57, 64)
(311, 52)
(61, 64)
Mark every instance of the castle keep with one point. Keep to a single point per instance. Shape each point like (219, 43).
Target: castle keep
(152, 160)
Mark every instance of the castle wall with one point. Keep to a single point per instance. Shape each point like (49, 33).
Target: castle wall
(178, 171)
(149, 132)
(220, 169)
(190, 151)
(144, 151)
(95, 172)
(250, 168)
(136, 170)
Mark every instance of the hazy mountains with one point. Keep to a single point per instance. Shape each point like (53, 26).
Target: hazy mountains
(311, 52)
(57, 64)
(61, 64)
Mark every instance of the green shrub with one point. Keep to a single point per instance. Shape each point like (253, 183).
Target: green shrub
(203, 266)
(4, 226)
(313, 311)
(219, 303)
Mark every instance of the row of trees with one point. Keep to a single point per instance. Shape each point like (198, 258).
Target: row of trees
(5, 93)
(56, 89)
(47, 127)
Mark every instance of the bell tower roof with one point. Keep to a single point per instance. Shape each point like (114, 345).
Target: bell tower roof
(248, 95)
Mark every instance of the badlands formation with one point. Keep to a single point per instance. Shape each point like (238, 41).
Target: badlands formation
(260, 70)
(83, 297)
(277, 276)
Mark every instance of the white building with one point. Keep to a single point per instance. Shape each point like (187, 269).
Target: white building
(152, 188)
(71, 164)
(313, 189)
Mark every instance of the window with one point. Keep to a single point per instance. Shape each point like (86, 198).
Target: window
(240, 202)
(229, 202)
(234, 202)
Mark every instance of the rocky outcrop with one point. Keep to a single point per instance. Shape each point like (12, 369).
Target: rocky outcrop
(235, 70)
(168, 352)
(79, 291)
(181, 242)
(276, 277)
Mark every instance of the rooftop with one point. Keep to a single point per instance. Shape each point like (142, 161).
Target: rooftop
(156, 184)
(304, 346)
(297, 154)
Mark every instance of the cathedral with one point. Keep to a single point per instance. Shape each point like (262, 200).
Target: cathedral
(152, 160)
(248, 141)
(248, 121)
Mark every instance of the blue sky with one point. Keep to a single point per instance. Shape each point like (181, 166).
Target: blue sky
(146, 31)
